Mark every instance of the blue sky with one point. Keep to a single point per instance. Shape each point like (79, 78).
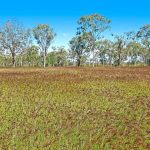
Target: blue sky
(62, 15)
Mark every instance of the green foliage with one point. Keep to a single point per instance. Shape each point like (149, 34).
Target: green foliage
(58, 57)
(93, 24)
(44, 35)
(89, 46)
(32, 56)
(79, 46)
(144, 36)
(14, 39)
(52, 59)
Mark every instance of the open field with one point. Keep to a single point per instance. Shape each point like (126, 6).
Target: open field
(75, 109)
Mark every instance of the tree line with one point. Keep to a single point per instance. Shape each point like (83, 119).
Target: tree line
(30, 47)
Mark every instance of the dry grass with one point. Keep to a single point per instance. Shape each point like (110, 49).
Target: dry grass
(75, 108)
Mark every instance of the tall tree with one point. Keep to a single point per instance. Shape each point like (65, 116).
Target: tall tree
(71, 57)
(144, 36)
(12, 38)
(133, 52)
(78, 45)
(93, 25)
(105, 51)
(119, 49)
(44, 36)
(26, 44)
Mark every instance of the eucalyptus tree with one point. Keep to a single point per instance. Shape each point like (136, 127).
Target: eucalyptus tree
(133, 47)
(26, 43)
(104, 51)
(144, 36)
(1, 52)
(134, 52)
(2, 56)
(71, 57)
(61, 56)
(119, 49)
(32, 55)
(109, 46)
(44, 36)
(12, 38)
(52, 58)
(93, 25)
(79, 46)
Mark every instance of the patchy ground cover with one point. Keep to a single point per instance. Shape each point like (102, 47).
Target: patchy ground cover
(75, 108)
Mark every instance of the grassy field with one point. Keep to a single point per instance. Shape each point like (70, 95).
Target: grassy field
(75, 109)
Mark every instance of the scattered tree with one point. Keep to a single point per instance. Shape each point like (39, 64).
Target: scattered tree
(44, 36)
(92, 26)
(13, 36)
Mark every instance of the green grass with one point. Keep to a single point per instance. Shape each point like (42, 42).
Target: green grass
(75, 109)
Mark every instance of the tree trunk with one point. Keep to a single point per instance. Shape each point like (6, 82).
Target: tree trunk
(21, 63)
(148, 60)
(89, 62)
(44, 61)
(93, 63)
(13, 59)
(90, 59)
(110, 62)
(119, 54)
(119, 59)
(103, 61)
(93, 59)
(78, 62)
(74, 63)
